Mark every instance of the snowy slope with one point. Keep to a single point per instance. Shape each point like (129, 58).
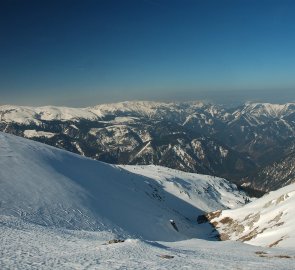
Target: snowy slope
(208, 192)
(58, 210)
(55, 188)
(26, 246)
(268, 221)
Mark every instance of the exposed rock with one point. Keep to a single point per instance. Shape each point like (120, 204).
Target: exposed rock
(115, 241)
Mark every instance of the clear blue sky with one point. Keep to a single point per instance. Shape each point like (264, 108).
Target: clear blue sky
(80, 53)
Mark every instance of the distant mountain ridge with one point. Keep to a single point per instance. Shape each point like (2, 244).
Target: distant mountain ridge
(190, 136)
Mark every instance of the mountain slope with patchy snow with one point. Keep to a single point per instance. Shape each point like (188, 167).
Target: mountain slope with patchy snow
(277, 174)
(55, 188)
(268, 221)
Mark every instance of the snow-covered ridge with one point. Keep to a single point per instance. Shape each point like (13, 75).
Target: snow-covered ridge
(268, 221)
(54, 188)
(268, 109)
(144, 107)
(27, 115)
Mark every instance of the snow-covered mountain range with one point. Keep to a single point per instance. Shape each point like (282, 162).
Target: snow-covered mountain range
(59, 210)
(195, 137)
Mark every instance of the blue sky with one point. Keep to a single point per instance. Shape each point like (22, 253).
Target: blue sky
(80, 53)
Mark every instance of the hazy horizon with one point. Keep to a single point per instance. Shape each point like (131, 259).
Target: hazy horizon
(81, 53)
(226, 98)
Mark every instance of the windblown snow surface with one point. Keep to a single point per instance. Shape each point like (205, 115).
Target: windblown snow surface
(58, 210)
